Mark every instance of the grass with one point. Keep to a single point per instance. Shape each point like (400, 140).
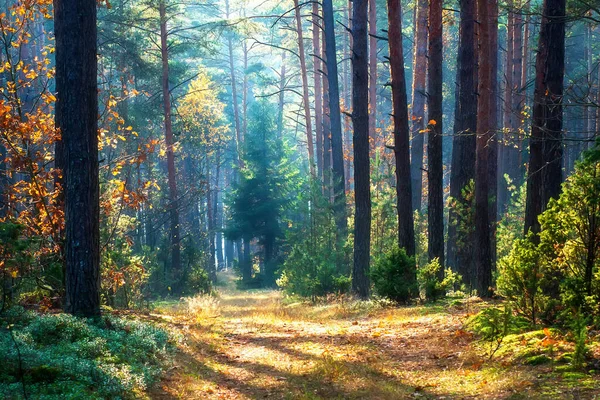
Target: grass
(258, 344)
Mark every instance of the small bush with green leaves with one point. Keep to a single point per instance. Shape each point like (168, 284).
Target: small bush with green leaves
(493, 324)
(394, 276)
(430, 282)
(58, 356)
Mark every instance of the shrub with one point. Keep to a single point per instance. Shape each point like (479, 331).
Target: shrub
(546, 275)
(522, 279)
(494, 324)
(394, 276)
(315, 264)
(430, 283)
(580, 334)
(61, 356)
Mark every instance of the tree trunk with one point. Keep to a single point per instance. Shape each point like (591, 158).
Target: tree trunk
(305, 96)
(337, 151)
(172, 178)
(493, 142)
(435, 206)
(282, 75)
(245, 92)
(316, 29)
(419, 97)
(372, 68)
(406, 229)
(234, 97)
(326, 131)
(360, 122)
(518, 102)
(507, 119)
(210, 225)
(463, 150)
(483, 256)
(544, 175)
(77, 110)
(246, 263)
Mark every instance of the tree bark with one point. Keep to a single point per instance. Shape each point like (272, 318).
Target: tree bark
(234, 97)
(483, 256)
(337, 151)
(326, 131)
(172, 178)
(464, 144)
(318, 92)
(360, 121)
(77, 110)
(419, 98)
(406, 232)
(435, 206)
(544, 175)
(305, 96)
(210, 227)
(493, 141)
(245, 92)
(507, 119)
(372, 69)
(282, 77)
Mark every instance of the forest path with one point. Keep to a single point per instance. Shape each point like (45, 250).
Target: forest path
(252, 345)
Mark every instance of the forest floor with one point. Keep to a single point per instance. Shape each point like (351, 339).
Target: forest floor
(257, 345)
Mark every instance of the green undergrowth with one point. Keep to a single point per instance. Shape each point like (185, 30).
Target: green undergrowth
(58, 356)
(512, 341)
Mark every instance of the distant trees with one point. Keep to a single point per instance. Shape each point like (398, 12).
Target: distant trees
(77, 118)
(260, 196)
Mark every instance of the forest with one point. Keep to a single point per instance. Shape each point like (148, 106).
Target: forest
(289, 199)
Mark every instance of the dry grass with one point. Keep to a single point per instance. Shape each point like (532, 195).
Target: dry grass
(251, 345)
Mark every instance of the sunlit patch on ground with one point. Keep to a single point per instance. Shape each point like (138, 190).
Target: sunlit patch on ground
(252, 345)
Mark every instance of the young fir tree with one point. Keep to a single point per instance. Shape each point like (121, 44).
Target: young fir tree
(259, 198)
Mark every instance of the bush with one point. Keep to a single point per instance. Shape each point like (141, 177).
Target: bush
(494, 324)
(430, 283)
(61, 356)
(315, 264)
(522, 279)
(394, 276)
(312, 276)
(546, 275)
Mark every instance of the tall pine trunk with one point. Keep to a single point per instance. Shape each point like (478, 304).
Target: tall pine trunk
(234, 96)
(360, 122)
(171, 173)
(337, 151)
(419, 98)
(318, 92)
(483, 251)
(544, 175)
(406, 232)
(77, 117)
(460, 236)
(305, 96)
(435, 206)
(372, 68)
